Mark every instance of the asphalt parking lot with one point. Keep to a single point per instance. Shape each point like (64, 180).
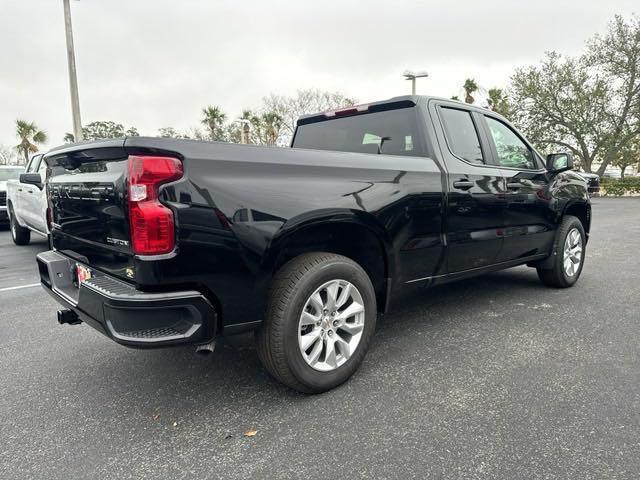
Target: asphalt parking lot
(494, 377)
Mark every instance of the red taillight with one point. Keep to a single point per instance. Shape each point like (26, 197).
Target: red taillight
(151, 223)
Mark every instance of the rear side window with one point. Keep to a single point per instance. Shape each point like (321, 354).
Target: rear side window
(393, 132)
(462, 136)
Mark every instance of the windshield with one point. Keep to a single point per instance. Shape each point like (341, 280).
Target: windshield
(10, 173)
(391, 132)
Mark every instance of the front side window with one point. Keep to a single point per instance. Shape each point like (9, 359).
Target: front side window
(462, 135)
(512, 151)
(34, 164)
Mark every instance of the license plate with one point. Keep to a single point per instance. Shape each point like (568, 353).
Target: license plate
(82, 273)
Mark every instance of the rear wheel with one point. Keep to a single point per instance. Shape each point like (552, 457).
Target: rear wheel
(20, 235)
(319, 321)
(569, 250)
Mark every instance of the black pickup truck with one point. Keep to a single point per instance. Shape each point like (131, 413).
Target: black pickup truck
(158, 242)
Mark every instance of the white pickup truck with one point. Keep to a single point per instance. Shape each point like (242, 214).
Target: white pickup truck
(27, 202)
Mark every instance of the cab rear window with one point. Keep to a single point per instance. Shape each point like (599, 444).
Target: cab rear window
(391, 132)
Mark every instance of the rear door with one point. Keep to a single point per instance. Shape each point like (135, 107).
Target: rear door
(38, 201)
(529, 223)
(476, 194)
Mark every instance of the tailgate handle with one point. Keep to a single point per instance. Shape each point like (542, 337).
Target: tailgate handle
(463, 184)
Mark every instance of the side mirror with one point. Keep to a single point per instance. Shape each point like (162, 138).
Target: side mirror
(32, 179)
(559, 162)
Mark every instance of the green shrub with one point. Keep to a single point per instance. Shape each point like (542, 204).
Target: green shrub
(617, 187)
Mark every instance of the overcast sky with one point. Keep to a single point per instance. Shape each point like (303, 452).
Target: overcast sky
(156, 63)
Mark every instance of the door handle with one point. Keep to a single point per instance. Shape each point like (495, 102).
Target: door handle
(463, 184)
(30, 191)
(19, 189)
(514, 185)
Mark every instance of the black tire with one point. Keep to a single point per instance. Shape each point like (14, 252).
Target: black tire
(554, 274)
(20, 235)
(277, 339)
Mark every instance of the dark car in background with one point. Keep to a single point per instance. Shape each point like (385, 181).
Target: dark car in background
(593, 182)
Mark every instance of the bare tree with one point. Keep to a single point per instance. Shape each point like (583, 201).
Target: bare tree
(290, 108)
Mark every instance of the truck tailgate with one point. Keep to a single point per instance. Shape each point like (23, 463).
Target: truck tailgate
(87, 200)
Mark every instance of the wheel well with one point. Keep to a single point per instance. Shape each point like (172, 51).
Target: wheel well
(351, 240)
(583, 212)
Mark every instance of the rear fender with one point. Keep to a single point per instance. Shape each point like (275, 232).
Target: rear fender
(334, 217)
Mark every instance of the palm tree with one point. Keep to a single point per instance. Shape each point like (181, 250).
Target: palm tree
(272, 124)
(30, 136)
(469, 87)
(213, 119)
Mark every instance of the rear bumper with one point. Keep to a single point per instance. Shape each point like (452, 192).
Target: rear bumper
(126, 315)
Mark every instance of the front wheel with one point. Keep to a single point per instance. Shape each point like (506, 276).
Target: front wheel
(319, 321)
(19, 235)
(568, 256)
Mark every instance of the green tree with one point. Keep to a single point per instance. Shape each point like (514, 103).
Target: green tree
(587, 104)
(170, 132)
(498, 102)
(213, 118)
(628, 156)
(30, 136)
(271, 123)
(235, 129)
(103, 129)
(470, 86)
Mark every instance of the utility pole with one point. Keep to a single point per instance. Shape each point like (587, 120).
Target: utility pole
(73, 79)
(408, 75)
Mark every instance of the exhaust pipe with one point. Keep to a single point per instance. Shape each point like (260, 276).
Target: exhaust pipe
(205, 350)
(68, 316)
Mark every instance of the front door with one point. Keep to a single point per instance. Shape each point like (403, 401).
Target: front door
(476, 190)
(30, 195)
(529, 223)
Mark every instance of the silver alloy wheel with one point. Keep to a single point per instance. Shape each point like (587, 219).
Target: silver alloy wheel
(331, 325)
(572, 252)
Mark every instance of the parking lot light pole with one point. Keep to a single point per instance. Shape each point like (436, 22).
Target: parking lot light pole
(73, 79)
(408, 75)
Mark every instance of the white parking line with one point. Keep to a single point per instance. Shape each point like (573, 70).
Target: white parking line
(19, 287)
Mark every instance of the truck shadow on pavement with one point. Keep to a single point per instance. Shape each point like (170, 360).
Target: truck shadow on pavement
(178, 380)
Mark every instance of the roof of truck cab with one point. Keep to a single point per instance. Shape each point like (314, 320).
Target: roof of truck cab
(407, 100)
